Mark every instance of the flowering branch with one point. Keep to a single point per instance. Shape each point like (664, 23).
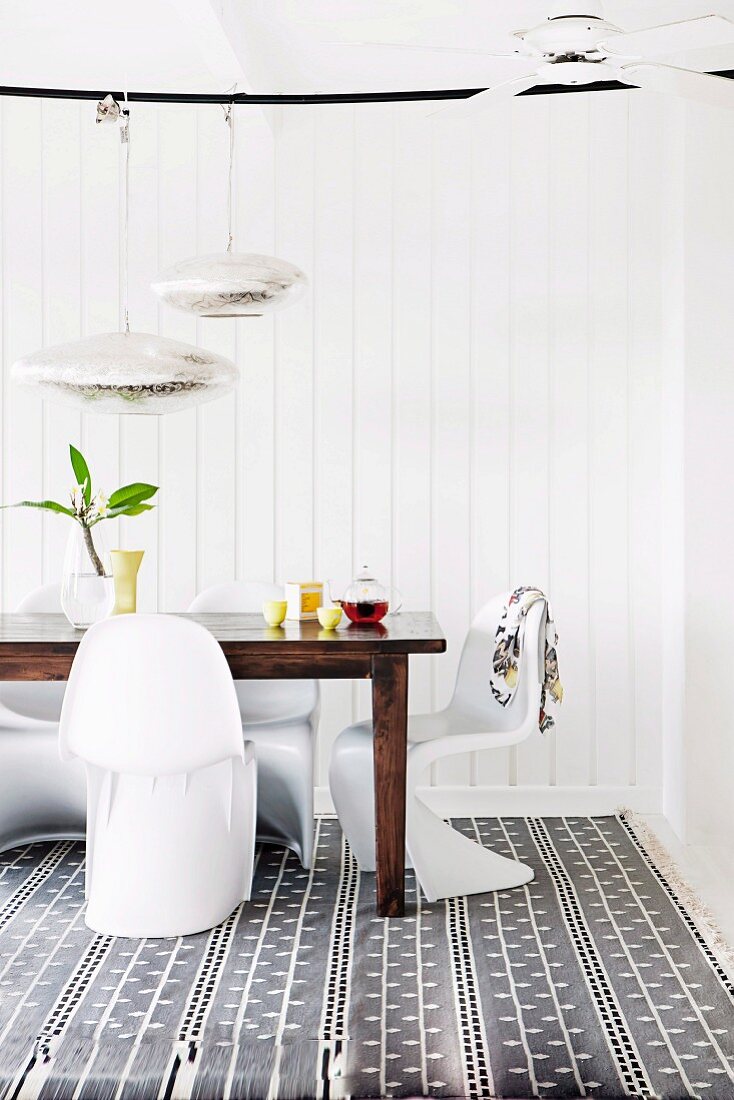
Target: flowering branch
(130, 500)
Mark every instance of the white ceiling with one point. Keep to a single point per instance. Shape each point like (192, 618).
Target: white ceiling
(288, 46)
(168, 45)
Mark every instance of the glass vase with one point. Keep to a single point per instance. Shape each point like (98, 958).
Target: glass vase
(87, 588)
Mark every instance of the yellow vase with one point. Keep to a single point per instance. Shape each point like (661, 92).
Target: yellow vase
(125, 565)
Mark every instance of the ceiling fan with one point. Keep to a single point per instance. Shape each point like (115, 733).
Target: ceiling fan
(573, 49)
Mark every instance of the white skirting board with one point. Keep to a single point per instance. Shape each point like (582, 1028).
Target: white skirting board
(527, 801)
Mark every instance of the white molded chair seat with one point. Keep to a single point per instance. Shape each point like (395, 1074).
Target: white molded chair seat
(446, 863)
(152, 712)
(281, 718)
(41, 796)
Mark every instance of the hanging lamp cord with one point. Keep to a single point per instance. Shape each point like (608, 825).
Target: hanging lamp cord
(125, 139)
(229, 119)
(230, 123)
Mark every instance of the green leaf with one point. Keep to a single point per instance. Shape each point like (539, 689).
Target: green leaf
(136, 498)
(137, 510)
(81, 472)
(132, 494)
(49, 505)
(128, 510)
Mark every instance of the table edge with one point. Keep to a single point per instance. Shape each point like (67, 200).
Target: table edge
(340, 645)
(235, 648)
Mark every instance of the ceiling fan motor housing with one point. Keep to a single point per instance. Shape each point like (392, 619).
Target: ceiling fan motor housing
(568, 36)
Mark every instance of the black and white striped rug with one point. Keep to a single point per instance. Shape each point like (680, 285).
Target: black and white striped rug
(591, 981)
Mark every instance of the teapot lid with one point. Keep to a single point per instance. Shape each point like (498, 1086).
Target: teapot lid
(366, 585)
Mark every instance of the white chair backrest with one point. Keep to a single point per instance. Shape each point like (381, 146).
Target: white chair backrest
(150, 695)
(242, 596)
(260, 700)
(473, 692)
(40, 700)
(46, 598)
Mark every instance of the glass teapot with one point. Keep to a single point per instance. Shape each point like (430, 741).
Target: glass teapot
(368, 601)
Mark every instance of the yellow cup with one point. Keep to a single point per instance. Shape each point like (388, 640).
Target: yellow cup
(329, 617)
(274, 611)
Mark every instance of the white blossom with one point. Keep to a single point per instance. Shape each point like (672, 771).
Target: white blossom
(77, 497)
(101, 504)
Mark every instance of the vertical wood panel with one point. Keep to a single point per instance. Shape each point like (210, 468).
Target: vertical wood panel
(490, 421)
(61, 309)
(412, 329)
(139, 434)
(372, 398)
(23, 331)
(609, 454)
(295, 359)
(451, 459)
(99, 248)
(333, 297)
(216, 449)
(529, 507)
(255, 459)
(644, 426)
(569, 441)
(177, 211)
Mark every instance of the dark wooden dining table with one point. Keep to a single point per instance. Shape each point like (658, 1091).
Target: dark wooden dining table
(42, 647)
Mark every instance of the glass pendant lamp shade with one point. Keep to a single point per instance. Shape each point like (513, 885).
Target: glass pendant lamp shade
(230, 284)
(127, 372)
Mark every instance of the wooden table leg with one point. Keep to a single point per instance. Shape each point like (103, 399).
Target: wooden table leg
(390, 722)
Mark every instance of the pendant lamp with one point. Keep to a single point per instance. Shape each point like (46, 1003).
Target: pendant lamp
(126, 372)
(230, 284)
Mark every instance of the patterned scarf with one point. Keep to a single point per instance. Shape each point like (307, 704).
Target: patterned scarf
(508, 649)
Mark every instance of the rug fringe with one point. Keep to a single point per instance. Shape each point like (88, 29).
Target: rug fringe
(700, 912)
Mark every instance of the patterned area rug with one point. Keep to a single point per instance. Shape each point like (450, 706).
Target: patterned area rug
(591, 981)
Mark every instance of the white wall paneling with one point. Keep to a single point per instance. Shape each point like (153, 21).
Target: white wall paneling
(530, 439)
(646, 386)
(372, 408)
(672, 496)
(23, 322)
(177, 440)
(703, 410)
(61, 229)
(333, 327)
(412, 331)
(467, 398)
(570, 486)
(99, 254)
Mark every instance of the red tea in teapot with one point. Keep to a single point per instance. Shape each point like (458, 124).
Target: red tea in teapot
(366, 600)
(365, 611)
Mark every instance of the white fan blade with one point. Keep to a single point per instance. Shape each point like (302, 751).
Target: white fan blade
(467, 108)
(668, 80)
(433, 49)
(689, 34)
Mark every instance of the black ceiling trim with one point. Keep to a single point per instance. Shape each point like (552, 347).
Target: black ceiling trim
(245, 99)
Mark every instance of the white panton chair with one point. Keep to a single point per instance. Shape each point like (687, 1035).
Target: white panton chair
(151, 710)
(281, 718)
(41, 797)
(446, 863)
